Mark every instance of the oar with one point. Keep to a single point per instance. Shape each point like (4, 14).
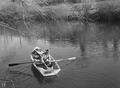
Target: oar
(72, 58)
(14, 64)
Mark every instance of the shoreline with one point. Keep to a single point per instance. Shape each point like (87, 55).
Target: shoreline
(95, 12)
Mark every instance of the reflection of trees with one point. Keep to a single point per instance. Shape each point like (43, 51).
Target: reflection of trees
(83, 39)
(115, 50)
(83, 62)
(9, 33)
(110, 34)
(75, 33)
(62, 32)
(79, 33)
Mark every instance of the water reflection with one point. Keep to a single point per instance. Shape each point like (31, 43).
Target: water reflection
(65, 33)
(83, 62)
(109, 36)
(115, 50)
(15, 72)
(82, 35)
(96, 47)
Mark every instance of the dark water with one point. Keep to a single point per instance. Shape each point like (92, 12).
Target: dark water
(96, 46)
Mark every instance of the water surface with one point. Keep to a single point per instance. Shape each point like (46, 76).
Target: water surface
(96, 46)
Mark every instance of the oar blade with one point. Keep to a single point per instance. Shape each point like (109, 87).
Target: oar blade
(13, 64)
(72, 58)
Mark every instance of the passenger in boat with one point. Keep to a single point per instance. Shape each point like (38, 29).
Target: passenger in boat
(36, 55)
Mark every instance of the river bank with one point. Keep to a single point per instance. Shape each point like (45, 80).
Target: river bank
(12, 12)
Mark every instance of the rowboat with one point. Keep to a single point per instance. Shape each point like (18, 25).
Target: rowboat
(42, 67)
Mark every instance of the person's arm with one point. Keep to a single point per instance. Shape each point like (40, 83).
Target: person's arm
(42, 59)
(50, 57)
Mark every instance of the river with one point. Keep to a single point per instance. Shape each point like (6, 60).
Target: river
(96, 46)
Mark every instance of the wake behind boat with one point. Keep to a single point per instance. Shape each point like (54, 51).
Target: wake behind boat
(46, 68)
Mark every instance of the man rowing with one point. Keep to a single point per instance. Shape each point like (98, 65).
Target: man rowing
(43, 57)
(47, 58)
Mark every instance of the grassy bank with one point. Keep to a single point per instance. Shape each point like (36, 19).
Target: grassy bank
(12, 12)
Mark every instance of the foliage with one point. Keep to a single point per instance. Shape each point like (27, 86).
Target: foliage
(108, 11)
(103, 11)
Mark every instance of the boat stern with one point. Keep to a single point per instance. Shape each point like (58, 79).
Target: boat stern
(51, 72)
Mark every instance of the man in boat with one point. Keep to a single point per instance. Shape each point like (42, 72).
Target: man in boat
(47, 58)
